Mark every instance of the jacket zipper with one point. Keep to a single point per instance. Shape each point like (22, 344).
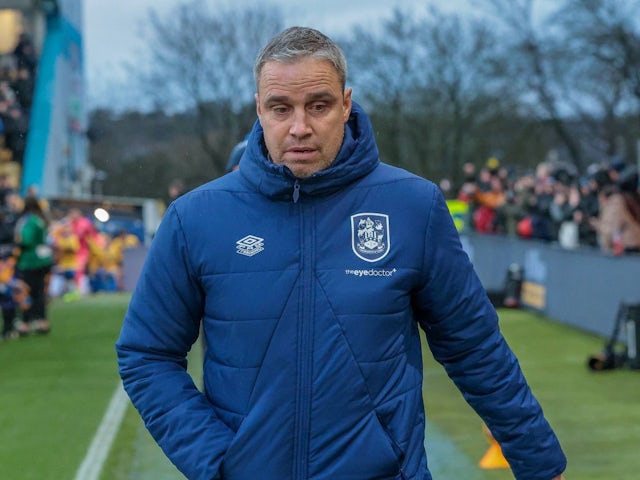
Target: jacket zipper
(304, 356)
(296, 191)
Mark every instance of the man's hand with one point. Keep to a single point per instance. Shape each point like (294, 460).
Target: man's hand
(559, 477)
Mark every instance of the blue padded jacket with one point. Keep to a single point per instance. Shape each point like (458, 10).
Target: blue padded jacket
(311, 294)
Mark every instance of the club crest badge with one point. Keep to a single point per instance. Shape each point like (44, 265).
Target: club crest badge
(370, 239)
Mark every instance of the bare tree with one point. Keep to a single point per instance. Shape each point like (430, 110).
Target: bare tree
(385, 71)
(441, 89)
(202, 60)
(433, 97)
(604, 36)
(532, 57)
(459, 89)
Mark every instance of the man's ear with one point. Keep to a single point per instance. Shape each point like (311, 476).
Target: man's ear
(258, 110)
(346, 105)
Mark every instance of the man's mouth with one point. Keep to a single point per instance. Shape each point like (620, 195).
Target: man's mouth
(301, 150)
(301, 153)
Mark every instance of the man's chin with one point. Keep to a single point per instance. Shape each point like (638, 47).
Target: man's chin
(302, 172)
(305, 170)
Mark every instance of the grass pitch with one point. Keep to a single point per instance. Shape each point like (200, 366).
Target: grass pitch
(56, 388)
(54, 391)
(595, 415)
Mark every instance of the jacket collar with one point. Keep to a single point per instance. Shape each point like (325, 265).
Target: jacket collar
(357, 157)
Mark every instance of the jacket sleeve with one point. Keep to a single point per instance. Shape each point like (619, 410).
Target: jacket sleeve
(161, 324)
(462, 330)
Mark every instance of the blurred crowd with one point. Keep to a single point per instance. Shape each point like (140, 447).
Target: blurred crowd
(45, 254)
(17, 86)
(555, 203)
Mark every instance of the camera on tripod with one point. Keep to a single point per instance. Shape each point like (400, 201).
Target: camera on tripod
(614, 355)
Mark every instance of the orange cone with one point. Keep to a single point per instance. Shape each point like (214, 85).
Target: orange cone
(494, 458)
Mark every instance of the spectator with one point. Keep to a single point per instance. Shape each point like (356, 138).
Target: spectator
(446, 188)
(586, 210)
(6, 187)
(569, 229)
(85, 231)
(15, 122)
(117, 245)
(614, 167)
(25, 53)
(560, 209)
(489, 197)
(98, 263)
(609, 224)
(236, 154)
(618, 225)
(628, 181)
(14, 204)
(8, 65)
(34, 264)
(175, 189)
(24, 85)
(7, 275)
(32, 191)
(510, 213)
(467, 190)
(65, 246)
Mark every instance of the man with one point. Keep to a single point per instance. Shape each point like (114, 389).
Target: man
(311, 269)
(233, 163)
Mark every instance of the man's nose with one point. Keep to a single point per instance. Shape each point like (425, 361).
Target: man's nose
(300, 125)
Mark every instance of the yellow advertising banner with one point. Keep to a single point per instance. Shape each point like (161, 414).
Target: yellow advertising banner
(459, 211)
(534, 295)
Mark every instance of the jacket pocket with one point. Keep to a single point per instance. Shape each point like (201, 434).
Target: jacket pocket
(399, 452)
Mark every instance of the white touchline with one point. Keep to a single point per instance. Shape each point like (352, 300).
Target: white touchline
(93, 462)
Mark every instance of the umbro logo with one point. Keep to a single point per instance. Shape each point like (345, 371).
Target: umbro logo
(250, 245)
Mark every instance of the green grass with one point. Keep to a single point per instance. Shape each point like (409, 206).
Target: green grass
(134, 454)
(596, 415)
(54, 391)
(56, 388)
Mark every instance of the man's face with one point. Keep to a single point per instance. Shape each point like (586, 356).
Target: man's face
(302, 110)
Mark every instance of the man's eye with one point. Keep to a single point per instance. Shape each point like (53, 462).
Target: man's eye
(318, 107)
(279, 110)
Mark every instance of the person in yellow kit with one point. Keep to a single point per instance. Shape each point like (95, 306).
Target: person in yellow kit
(97, 261)
(115, 257)
(66, 245)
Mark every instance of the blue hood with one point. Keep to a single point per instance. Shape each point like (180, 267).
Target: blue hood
(357, 157)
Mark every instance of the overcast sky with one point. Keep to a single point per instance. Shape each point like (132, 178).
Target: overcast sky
(112, 30)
